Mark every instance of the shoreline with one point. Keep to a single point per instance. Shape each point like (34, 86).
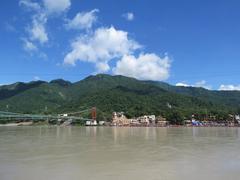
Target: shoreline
(17, 124)
(170, 126)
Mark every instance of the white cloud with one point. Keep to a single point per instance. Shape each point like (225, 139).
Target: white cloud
(30, 5)
(229, 87)
(29, 46)
(46, 6)
(56, 6)
(37, 30)
(182, 84)
(202, 84)
(129, 16)
(102, 67)
(83, 20)
(36, 78)
(146, 67)
(100, 47)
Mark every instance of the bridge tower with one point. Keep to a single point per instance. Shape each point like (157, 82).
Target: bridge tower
(94, 115)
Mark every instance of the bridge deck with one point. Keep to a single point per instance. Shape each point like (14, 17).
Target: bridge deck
(18, 116)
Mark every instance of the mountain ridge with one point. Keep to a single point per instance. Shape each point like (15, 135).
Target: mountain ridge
(115, 93)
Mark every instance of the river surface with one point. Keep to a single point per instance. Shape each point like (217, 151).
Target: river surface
(104, 153)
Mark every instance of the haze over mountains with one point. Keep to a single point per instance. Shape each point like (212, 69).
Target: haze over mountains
(115, 93)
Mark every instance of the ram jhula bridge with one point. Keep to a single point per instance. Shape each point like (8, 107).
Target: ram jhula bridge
(71, 117)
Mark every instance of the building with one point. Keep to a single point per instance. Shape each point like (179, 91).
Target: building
(135, 122)
(101, 123)
(147, 119)
(161, 121)
(63, 115)
(152, 119)
(188, 122)
(144, 120)
(91, 123)
(88, 123)
(119, 119)
(237, 118)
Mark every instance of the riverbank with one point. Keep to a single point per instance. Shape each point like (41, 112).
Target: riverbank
(132, 126)
(18, 124)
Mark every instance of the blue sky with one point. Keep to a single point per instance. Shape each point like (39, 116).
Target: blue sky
(187, 42)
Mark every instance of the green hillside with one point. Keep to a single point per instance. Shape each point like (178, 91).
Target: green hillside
(116, 93)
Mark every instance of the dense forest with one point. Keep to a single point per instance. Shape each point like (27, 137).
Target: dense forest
(117, 93)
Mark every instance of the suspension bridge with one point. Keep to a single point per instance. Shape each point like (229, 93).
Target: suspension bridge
(67, 118)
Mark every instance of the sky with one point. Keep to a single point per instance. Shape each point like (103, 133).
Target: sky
(181, 42)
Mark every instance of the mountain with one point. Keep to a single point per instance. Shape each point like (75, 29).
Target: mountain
(116, 93)
(228, 98)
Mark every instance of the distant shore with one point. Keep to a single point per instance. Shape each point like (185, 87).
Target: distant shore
(17, 124)
(169, 126)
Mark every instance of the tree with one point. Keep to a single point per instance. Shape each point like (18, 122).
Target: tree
(175, 117)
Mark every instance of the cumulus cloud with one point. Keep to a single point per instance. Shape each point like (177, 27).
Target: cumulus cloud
(41, 10)
(202, 84)
(100, 47)
(229, 87)
(37, 30)
(46, 6)
(145, 66)
(129, 16)
(56, 6)
(83, 20)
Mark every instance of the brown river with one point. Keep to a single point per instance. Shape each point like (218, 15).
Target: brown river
(105, 153)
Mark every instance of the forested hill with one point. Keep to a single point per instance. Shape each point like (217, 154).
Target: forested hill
(116, 93)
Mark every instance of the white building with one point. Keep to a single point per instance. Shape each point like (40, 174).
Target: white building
(147, 119)
(88, 123)
(101, 123)
(237, 117)
(91, 123)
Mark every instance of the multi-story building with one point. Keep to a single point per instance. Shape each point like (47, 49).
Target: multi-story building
(119, 119)
(147, 119)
